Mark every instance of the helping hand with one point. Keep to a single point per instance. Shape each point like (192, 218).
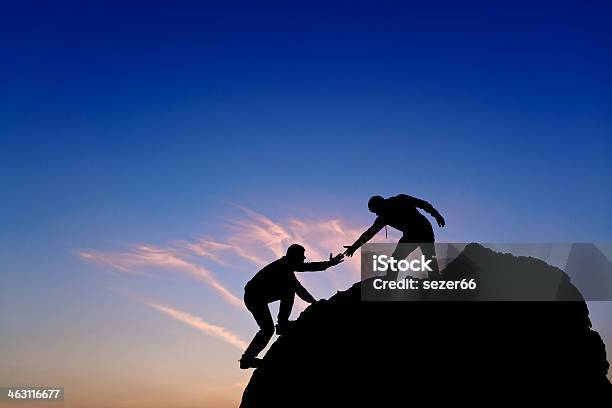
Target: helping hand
(349, 250)
(335, 260)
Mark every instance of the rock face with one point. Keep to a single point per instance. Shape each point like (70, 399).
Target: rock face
(347, 352)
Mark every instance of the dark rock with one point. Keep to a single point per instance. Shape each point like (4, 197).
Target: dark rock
(348, 352)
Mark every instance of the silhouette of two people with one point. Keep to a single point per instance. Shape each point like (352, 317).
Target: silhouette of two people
(401, 212)
(277, 281)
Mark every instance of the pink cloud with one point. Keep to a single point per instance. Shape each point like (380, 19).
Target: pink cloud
(207, 248)
(148, 256)
(259, 240)
(197, 323)
(251, 237)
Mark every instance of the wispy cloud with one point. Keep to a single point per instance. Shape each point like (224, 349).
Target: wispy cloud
(207, 248)
(149, 256)
(197, 323)
(259, 239)
(249, 237)
(247, 241)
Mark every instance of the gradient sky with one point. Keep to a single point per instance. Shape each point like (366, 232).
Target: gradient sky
(154, 154)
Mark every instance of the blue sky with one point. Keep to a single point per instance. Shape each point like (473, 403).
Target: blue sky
(146, 122)
(162, 108)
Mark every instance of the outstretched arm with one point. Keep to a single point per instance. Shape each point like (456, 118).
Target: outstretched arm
(365, 237)
(424, 205)
(320, 266)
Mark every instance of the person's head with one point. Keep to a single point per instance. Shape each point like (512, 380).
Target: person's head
(375, 204)
(295, 254)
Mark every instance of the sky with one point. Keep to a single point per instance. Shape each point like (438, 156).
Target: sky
(156, 154)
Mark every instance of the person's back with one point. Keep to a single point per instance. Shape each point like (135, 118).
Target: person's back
(273, 281)
(401, 213)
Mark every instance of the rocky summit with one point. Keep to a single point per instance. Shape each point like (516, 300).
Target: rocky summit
(349, 352)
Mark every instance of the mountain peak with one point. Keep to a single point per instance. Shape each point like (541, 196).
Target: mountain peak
(345, 351)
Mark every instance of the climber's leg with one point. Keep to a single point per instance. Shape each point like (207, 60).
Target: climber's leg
(402, 250)
(261, 313)
(284, 312)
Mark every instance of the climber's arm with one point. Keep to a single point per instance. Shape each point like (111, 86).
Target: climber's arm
(304, 294)
(424, 205)
(366, 236)
(320, 266)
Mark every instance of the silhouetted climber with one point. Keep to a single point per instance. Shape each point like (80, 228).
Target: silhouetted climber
(400, 212)
(277, 281)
